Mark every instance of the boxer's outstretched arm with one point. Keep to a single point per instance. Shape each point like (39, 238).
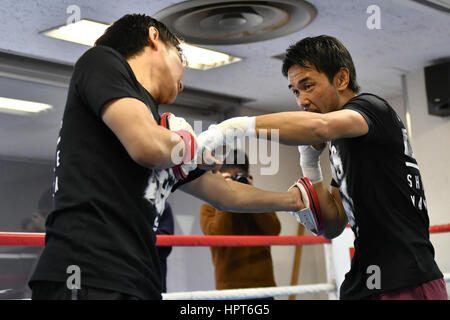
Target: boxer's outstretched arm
(333, 213)
(239, 197)
(146, 142)
(293, 128)
(300, 127)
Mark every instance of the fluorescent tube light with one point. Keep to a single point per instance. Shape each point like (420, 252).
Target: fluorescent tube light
(86, 32)
(17, 106)
(83, 32)
(204, 59)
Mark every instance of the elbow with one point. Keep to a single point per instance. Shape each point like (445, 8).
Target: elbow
(330, 235)
(220, 205)
(320, 129)
(332, 231)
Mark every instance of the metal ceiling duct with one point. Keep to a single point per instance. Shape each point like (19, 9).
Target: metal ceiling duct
(219, 22)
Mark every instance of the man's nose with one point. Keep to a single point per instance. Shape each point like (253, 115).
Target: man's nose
(303, 103)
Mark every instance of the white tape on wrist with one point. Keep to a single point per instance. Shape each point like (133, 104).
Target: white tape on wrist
(239, 127)
(310, 163)
(313, 173)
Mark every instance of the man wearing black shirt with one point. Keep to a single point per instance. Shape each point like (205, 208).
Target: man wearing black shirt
(376, 186)
(115, 169)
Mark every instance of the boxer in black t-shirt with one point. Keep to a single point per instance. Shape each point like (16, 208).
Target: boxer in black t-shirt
(376, 186)
(116, 166)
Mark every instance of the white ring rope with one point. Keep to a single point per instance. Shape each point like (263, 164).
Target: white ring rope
(253, 293)
(257, 293)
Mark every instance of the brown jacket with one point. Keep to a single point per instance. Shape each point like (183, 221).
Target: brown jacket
(240, 267)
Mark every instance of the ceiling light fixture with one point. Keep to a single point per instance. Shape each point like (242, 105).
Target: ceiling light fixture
(204, 59)
(82, 32)
(86, 32)
(17, 106)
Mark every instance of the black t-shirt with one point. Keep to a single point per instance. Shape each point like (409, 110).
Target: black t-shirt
(106, 206)
(383, 196)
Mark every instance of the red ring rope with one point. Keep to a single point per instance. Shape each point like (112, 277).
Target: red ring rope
(237, 241)
(38, 239)
(440, 228)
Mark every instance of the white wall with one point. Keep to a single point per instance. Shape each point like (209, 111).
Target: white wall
(430, 142)
(399, 107)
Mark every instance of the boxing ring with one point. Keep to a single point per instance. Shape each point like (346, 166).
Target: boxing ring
(338, 254)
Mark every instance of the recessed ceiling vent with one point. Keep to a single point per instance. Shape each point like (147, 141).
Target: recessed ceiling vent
(219, 22)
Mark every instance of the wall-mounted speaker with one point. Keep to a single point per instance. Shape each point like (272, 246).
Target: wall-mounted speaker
(437, 83)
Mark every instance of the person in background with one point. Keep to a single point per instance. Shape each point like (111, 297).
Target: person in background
(240, 267)
(36, 222)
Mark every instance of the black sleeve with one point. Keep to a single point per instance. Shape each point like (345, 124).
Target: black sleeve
(102, 75)
(192, 176)
(377, 115)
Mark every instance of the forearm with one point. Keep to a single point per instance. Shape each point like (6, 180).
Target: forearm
(241, 197)
(333, 214)
(238, 197)
(164, 149)
(293, 128)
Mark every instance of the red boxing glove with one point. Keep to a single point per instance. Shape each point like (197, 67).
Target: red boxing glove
(182, 170)
(311, 216)
(184, 130)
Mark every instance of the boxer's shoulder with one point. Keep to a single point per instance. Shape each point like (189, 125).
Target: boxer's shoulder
(370, 100)
(100, 55)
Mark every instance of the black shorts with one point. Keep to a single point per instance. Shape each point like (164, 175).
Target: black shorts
(48, 290)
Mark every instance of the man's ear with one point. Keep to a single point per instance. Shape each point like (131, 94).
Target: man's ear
(342, 79)
(153, 37)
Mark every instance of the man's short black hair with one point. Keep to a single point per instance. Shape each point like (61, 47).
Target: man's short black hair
(129, 34)
(236, 159)
(325, 53)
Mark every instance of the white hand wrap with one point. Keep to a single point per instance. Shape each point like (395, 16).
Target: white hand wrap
(224, 134)
(310, 163)
(238, 127)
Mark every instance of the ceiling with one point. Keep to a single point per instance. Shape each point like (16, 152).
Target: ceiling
(412, 36)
